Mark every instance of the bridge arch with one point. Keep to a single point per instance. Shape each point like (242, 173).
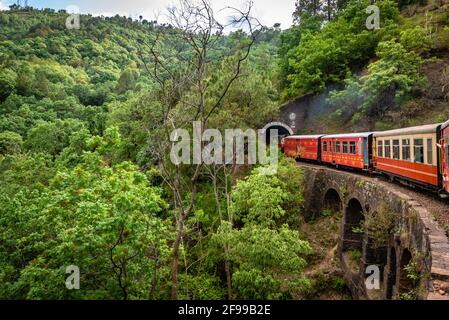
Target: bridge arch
(405, 283)
(412, 233)
(283, 130)
(391, 278)
(375, 251)
(353, 221)
(332, 201)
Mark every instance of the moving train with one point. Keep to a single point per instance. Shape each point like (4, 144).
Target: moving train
(417, 156)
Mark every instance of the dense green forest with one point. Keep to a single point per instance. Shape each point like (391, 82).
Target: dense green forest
(394, 76)
(84, 170)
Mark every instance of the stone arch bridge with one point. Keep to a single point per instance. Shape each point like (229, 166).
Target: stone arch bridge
(401, 233)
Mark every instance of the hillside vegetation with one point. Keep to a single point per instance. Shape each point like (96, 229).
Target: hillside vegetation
(84, 181)
(394, 76)
(85, 123)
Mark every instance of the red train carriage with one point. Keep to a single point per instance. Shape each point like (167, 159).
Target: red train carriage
(409, 154)
(349, 150)
(444, 159)
(302, 146)
(418, 155)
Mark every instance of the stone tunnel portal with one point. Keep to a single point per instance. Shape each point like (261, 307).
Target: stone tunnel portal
(283, 130)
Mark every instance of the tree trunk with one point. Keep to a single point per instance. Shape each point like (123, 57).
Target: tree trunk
(228, 273)
(225, 247)
(175, 263)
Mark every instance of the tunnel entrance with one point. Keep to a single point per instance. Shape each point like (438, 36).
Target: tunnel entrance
(391, 280)
(353, 226)
(332, 201)
(283, 130)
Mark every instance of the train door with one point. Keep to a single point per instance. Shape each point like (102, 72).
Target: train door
(333, 150)
(443, 159)
(370, 147)
(363, 149)
(299, 148)
(445, 163)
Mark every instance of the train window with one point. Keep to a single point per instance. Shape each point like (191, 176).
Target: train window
(396, 149)
(418, 150)
(387, 149)
(429, 151)
(360, 147)
(352, 147)
(345, 147)
(337, 147)
(325, 146)
(406, 149)
(380, 149)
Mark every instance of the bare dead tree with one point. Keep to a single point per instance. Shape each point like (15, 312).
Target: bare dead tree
(180, 61)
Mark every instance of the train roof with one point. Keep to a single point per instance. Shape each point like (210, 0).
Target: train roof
(349, 135)
(306, 136)
(428, 128)
(445, 125)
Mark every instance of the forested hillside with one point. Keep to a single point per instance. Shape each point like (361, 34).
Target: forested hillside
(394, 76)
(85, 120)
(69, 80)
(80, 178)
